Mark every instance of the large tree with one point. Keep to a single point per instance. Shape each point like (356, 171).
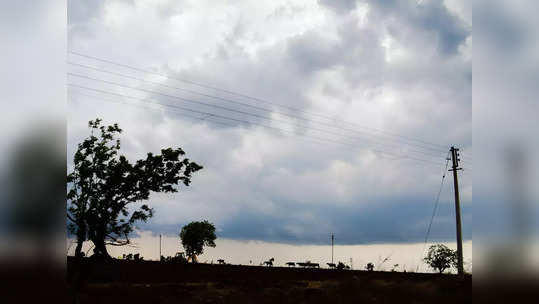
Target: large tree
(195, 236)
(103, 187)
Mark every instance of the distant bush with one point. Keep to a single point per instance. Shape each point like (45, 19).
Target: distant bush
(440, 257)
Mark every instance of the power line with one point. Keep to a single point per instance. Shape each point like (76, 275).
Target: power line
(249, 97)
(202, 117)
(435, 205)
(240, 103)
(208, 115)
(226, 109)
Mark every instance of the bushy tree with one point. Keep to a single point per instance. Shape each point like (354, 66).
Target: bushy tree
(103, 186)
(440, 257)
(195, 236)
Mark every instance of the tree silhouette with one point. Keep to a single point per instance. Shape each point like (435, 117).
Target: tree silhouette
(103, 185)
(440, 257)
(195, 236)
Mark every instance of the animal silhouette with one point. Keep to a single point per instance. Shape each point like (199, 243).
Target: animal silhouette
(308, 264)
(269, 263)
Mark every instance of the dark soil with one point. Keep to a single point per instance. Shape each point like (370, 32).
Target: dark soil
(117, 281)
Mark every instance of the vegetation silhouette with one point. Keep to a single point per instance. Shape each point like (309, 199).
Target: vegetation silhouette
(195, 236)
(440, 257)
(104, 184)
(178, 258)
(308, 264)
(132, 257)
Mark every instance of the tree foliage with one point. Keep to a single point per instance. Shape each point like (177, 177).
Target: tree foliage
(103, 186)
(440, 257)
(195, 236)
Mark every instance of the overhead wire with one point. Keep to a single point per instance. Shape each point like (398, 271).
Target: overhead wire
(436, 202)
(249, 97)
(331, 125)
(242, 112)
(211, 116)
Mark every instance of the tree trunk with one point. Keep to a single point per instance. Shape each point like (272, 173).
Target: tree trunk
(78, 249)
(100, 250)
(81, 236)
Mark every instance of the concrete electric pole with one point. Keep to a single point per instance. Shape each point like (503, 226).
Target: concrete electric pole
(455, 168)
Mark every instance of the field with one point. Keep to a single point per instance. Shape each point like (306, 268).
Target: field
(153, 282)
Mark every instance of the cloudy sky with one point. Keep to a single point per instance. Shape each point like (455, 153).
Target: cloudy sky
(309, 117)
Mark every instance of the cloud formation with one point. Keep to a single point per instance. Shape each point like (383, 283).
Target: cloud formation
(295, 170)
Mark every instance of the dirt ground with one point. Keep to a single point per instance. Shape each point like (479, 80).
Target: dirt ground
(154, 282)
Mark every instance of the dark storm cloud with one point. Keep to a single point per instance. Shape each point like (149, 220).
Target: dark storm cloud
(395, 220)
(378, 223)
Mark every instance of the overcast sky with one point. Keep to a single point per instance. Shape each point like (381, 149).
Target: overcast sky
(358, 102)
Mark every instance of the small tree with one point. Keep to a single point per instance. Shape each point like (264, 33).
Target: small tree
(440, 257)
(370, 266)
(195, 236)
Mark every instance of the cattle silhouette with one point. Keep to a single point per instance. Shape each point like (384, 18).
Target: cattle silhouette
(308, 264)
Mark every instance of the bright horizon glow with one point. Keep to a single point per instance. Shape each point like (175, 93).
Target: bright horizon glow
(407, 255)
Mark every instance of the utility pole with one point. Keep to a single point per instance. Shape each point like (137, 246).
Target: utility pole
(455, 158)
(160, 247)
(332, 248)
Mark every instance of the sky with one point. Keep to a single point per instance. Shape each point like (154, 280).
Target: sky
(309, 117)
